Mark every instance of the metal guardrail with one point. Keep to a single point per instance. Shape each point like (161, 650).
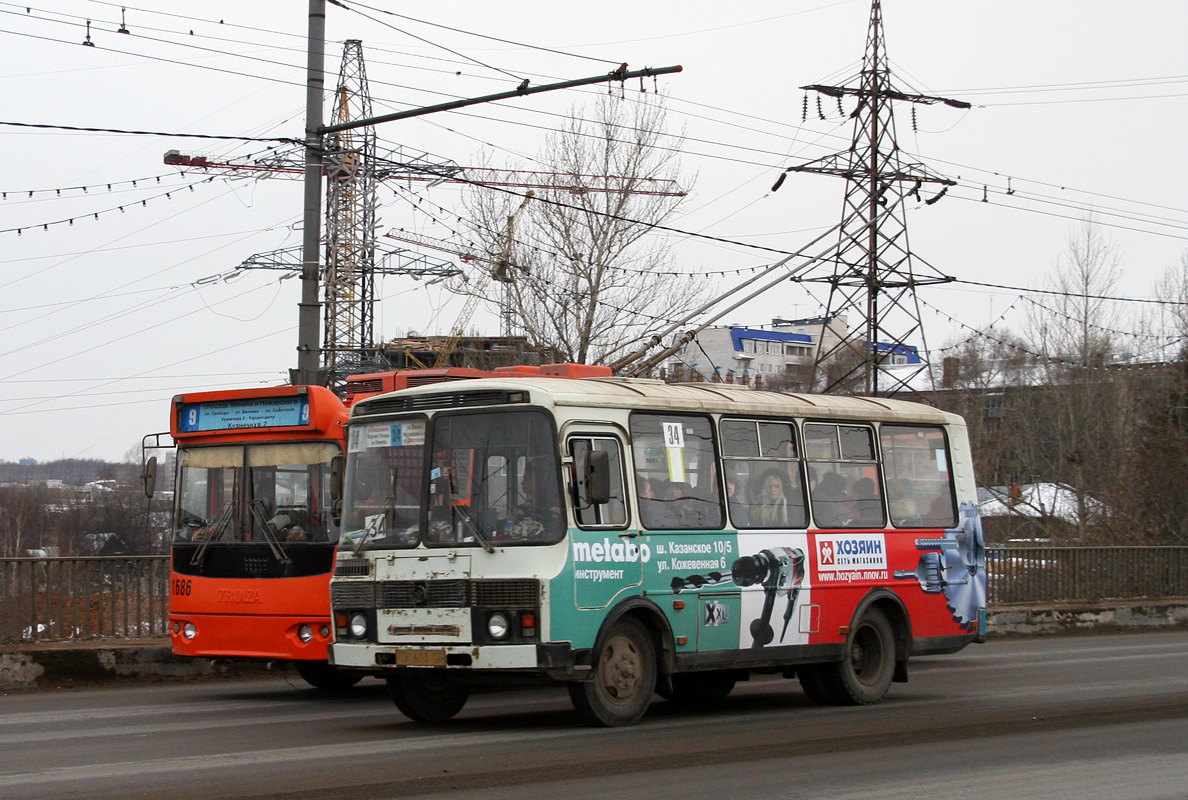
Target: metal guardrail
(61, 598)
(1058, 574)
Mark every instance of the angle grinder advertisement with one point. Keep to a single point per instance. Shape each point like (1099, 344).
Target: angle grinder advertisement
(737, 591)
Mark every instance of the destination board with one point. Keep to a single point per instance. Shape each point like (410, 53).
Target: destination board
(251, 412)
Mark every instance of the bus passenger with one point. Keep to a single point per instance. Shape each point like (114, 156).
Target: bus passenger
(899, 503)
(829, 499)
(737, 500)
(771, 510)
(867, 507)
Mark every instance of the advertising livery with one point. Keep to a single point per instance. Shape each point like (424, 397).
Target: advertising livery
(628, 538)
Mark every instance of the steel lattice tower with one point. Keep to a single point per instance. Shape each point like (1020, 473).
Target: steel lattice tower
(874, 278)
(348, 274)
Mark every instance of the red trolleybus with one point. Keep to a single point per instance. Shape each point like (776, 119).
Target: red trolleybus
(254, 541)
(254, 537)
(626, 537)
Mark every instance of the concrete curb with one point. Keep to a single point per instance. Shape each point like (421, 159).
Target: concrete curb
(1085, 618)
(72, 664)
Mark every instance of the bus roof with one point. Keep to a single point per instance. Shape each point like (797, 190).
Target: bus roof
(649, 394)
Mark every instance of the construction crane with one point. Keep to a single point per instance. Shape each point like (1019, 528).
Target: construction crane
(405, 165)
(500, 271)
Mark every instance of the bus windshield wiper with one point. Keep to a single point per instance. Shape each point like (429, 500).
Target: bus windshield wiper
(479, 533)
(389, 507)
(257, 509)
(216, 527)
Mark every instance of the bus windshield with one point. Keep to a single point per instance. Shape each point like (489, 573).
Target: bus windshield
(457, 480)
(255, 493)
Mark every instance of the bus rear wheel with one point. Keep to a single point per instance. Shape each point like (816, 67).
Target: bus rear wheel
(623, 681)
(814, 684)
(427, 696)
(864, 675)
(324, 676)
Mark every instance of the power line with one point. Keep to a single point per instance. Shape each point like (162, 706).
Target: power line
(478, 35)
(1022, 290)
(171, 134)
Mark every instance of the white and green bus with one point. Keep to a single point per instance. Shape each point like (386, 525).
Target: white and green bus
(629, 537)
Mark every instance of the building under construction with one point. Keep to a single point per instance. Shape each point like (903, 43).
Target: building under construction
(479, 352)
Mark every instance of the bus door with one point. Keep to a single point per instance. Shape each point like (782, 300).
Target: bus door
(605, 545)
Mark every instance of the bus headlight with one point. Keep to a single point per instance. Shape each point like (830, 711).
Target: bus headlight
(189, 630)
(497, 625)
(358, 627)
(305, 633)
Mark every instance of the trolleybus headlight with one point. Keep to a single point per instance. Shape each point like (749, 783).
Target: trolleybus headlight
(358, 626)
(325, 631)
(497, 625)
(189, 630)
(305, 633)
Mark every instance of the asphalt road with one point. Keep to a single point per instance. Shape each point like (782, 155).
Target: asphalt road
(1071, 717)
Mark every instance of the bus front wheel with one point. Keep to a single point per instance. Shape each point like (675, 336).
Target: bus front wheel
(324, 676)
(427, 696)
(623, 681)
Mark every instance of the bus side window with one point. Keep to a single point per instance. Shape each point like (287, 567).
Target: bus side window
(844, 480)
(919, 486)
(613, 513)
(676, 472)
(764, 483)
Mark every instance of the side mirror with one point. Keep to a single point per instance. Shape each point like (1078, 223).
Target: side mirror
(337, 471)
(597, 476)
(148, 476)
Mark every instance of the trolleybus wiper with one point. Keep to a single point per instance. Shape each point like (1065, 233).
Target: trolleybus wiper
(216, 528)
(257, 509)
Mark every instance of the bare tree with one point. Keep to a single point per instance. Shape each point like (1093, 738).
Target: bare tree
(582, 278)
(1166, 324)
(1078, 431)
(1074, 326)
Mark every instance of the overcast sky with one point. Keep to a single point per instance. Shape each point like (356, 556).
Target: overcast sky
(1078, 109)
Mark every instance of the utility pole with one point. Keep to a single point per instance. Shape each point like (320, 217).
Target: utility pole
(308, 350)
(873, 278)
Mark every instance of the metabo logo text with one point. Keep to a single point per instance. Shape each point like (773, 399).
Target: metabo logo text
(608, 551)
(851, 551)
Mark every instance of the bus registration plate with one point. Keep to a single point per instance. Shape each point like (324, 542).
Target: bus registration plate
(420, 658)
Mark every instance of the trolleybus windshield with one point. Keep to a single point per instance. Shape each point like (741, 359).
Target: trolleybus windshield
(255, 493)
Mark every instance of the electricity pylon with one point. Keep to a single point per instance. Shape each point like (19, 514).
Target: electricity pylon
(874, 277)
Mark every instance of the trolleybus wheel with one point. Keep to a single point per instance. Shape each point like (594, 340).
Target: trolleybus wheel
(701, 688)
(427, 696)
(325, 676)
(624, 679)
(864, 675)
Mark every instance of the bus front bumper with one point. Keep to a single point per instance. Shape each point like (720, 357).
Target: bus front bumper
(557, 660)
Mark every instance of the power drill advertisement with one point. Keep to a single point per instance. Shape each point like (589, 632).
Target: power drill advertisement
(760, 589)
